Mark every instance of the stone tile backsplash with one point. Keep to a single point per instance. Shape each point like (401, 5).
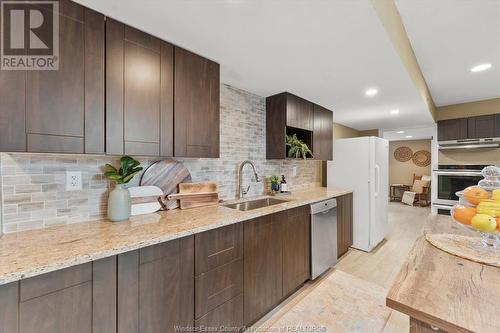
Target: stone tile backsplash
(33, 186)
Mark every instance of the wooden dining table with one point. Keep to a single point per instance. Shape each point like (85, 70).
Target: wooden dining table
(444, 293)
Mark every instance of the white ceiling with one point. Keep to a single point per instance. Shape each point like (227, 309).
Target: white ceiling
(419, 133)
(451, 36)
(328, 52)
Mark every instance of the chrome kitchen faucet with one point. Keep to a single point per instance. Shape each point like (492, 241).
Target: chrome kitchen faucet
(239, 191)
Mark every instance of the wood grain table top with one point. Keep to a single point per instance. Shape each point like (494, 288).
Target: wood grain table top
(454, 294)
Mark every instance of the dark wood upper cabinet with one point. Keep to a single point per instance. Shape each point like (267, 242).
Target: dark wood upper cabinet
(344, 223)
(287, 114)
(197, 105)
(276, 126)
(139, 92)
(156, 288)
(77, 299)
(60, 111)
(299, 112)
(296, 249)
(452, 129)
(479, 127)
(323, 133)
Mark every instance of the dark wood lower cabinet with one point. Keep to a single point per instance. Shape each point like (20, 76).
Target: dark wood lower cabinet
(276, 259)
(296, 249)
(263, 265)
(217, 247)
(344, 224)
(221, 280)
(226, 318)
(156, 288)
(78, 299)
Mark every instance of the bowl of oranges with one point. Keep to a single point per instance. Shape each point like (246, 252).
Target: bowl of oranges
(478, 207)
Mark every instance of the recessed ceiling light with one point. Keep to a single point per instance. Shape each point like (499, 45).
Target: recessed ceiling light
(371, 92)
(480, 68)
(409, 136)
(400, 132)
(395, 111)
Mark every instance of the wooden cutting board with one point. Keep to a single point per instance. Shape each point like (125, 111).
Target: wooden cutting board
(198, 194)
(145, 199)
(167, 175)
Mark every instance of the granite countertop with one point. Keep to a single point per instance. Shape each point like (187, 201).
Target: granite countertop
(30, 253)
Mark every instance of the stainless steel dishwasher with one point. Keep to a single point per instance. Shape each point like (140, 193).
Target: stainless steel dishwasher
(323, 236)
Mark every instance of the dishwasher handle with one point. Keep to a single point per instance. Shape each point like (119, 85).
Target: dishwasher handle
(327, 211)
(323, 206)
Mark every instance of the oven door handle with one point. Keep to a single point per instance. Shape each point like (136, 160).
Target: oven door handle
(438, 206)
(451, 173)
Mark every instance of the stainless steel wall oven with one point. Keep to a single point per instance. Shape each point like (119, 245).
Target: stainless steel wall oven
(451, 179)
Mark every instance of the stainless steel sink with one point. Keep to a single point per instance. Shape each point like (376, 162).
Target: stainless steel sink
(254, 204)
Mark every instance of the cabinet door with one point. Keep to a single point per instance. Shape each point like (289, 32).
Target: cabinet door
(276, 126)
(344, 224)
(452, 129)
(296, 249)
(156, 287)
(48, 110)
(322, 133)
(496, 134)
(481, 127)
(299, 113)
(196, 100)
(78, 299)
(263, 265)
(139, 92)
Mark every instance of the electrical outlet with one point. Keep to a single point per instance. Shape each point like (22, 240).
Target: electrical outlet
(73, 180)
(294, 171)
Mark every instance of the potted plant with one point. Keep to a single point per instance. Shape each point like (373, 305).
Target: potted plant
(275, 183)
(297, 148)
(119, 197)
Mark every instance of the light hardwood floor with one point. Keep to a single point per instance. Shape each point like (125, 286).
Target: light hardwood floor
(380, 266)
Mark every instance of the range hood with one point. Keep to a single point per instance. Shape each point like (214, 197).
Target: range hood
(470, 144)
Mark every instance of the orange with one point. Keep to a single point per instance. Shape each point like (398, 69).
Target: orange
(475, 194)
(464, 214)
(498, 223)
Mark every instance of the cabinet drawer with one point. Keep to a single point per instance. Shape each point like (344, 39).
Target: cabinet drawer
(227, 318)
(68, 310)
(54, 281)
(217, 247)
(218, 286)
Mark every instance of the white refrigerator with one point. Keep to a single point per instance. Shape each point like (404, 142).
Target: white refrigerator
(362, 164)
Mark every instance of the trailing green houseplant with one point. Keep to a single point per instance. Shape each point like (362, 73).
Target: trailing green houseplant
(297, 148)
(119, 203)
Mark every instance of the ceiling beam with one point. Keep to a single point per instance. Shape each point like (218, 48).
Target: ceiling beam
(391, 20)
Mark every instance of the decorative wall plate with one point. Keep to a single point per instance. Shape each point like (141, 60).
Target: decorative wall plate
(403, 154)
(422, 158)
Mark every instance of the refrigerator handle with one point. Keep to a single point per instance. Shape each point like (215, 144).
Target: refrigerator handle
(377, 180)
